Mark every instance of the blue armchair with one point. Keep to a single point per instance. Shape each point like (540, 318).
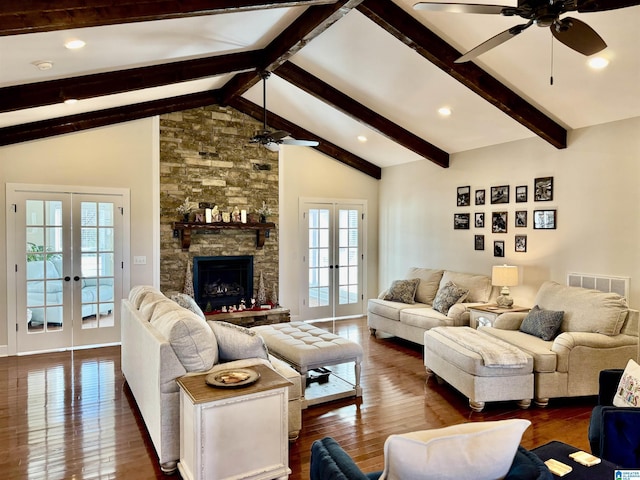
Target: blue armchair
(614, 432)
(330, 462)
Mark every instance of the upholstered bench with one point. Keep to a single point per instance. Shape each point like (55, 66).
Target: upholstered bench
(306, 347)
(459, 361)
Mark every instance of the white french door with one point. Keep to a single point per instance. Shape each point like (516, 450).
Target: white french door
(66, 252)
(333, 259)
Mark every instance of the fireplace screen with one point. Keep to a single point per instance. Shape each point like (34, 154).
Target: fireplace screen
(222, 281)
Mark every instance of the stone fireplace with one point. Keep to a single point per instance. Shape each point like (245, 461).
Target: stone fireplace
(220, 281)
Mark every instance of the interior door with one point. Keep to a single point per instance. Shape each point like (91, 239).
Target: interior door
(68, 269)
(333, 260)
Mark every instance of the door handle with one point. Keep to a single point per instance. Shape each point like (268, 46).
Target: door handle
(67, 278)
(337, 266)
(76, 278)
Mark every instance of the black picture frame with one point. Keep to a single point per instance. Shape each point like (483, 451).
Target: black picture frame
(498, 248)
(478, 242)
(522, 194)
(481, 196)
(500, 194)
(479, 220)
(499, 222)
(521, 243)
(463, 197)
(521, 218)
(461, 221)
(543, 189)
(545, 219)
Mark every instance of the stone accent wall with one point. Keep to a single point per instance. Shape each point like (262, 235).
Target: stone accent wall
(205, 155)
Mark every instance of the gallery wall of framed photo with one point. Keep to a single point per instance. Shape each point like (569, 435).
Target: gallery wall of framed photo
(491, 215)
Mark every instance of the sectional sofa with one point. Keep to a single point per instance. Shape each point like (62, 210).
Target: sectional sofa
(408, 316)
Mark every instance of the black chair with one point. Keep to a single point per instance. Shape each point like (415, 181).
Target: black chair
(330, 462)
(614, 432)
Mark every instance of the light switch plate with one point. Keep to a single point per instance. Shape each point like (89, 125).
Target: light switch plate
(140, 260)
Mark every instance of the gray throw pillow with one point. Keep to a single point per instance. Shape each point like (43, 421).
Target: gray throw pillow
(448, 296)
(185, 301)
(237, 343)
(542, 323)
(403, 291)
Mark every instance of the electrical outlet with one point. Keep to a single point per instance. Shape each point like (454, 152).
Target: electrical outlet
(176, 234)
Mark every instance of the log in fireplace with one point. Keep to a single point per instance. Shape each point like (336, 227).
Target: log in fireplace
(222, 281)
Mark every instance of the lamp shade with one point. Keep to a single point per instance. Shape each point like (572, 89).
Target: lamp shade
(504, 276)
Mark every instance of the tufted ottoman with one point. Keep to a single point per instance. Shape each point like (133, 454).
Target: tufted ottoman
(465, 370)
(306, 347)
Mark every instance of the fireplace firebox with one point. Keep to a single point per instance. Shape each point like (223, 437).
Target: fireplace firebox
(222, 281)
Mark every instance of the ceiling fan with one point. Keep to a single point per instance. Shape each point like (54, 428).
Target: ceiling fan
(574, 33)
(273, 139)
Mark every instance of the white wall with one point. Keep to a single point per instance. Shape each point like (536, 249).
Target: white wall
(596, 194)
(122, 156)
(304, 172)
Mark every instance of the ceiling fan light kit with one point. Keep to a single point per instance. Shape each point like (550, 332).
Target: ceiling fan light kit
(269, 139)
(570, 31)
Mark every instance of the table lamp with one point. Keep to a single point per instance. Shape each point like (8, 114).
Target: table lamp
(504, 276)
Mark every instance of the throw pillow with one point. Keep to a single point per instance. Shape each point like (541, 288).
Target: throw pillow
(403, 291)
(628, 392)
(185, 301)
(236, 342)
(461, 452)
(191, 339)
(542, 323)
(448, 296)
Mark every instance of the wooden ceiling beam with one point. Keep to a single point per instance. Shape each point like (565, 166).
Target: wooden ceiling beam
(90, 86)
(84, 121)
(331, 96)
(414, 34)
(311, 23)
(20, 17)
(249, 108)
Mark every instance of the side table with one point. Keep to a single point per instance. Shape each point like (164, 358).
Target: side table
(485, 315)
(234, 433)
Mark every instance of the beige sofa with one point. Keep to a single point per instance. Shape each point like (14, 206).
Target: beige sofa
(410, 320)
(598, 331)
(162, 341)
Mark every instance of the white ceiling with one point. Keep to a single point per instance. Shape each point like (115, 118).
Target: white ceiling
(366, 63)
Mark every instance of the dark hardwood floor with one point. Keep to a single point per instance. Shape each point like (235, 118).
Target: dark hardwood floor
(69, 415)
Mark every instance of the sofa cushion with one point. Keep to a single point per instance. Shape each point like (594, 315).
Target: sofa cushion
(390, 310)
(628, 391)
(465, 451)
(190, 337)
(236, 342)
(544, 359)
(186, 301)
(479, 286)
(584, 310)
(425, 318)
(403, 291)
(447, 296)
(137, 294)
(429, 283)
(542, 323)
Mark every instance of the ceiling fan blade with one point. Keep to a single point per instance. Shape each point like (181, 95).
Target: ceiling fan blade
(459, 8)
(578, 36)
(587, 6)
(493, 42)
(303, 143)
(278, 135)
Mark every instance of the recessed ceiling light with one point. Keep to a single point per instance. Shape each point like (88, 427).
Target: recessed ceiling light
(43, 64)
(598, 63)
(362, 138)
(74, 44)
(444, 111)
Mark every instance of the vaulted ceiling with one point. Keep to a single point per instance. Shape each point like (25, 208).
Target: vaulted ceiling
(341, 69)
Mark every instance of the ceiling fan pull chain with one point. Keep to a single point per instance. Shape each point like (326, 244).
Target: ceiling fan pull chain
(551, 77)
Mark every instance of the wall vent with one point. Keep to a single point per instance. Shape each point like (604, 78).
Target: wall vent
(604, 283)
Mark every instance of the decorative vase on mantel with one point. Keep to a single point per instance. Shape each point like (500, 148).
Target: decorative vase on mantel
(185, 217)
(263, 219)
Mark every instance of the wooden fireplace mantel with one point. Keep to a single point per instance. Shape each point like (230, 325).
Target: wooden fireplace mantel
(185, 229)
